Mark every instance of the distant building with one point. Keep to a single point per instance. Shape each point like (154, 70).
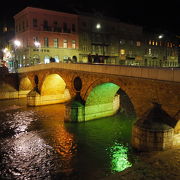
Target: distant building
(6, 34)
(44, 34)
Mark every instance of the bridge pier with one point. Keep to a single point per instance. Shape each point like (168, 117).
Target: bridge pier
(76, 111)
(34, 98)
(155, 131)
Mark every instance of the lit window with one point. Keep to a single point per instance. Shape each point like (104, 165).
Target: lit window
(122, 42)
(65, 44)
(149, 51)
(156, 43)
(56, 58)
(5, 29)
(153, 43)
(122, 51)
(73, 44)
(138, 43)
(46, 42)
(56, 42)
(46, 59)
(149, 42)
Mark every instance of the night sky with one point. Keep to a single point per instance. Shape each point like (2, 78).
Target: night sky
(155, 15)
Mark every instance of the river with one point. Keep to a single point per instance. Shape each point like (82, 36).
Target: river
(36, 143)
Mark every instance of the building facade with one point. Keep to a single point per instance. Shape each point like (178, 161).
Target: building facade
(44, 34)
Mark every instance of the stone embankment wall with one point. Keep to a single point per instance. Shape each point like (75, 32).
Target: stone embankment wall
(9, 86)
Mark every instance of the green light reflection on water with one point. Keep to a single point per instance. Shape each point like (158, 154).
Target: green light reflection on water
(119, 158)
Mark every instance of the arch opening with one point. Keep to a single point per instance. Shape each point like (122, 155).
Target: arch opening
(52, 91)
(52, 85)
(25, 86)
(105, 100)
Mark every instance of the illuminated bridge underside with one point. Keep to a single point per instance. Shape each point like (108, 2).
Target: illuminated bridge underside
(53, 91)
(102, 101)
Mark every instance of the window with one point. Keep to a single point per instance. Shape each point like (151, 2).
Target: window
(73, 44)
(23, 26)
(138, 43)
(64, 27)
(5, 29)
(45, 25)
(122, 51)
(46, 59)
(19, 27)
(34, 22)
(65, 44)
(150, 52)
(56, 58)
(26, 23)
(46, 42)
(73, 28)
(56, 43)
(122, 42)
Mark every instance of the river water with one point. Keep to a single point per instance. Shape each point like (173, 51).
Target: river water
(36, 143)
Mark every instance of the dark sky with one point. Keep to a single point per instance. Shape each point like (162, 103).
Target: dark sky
(159, 14)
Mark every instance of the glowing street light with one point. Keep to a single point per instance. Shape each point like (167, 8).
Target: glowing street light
(98, 26)
(17, 43)
(37, 44)
(160, 36)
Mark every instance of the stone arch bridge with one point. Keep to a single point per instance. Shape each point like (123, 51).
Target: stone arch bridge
(100, 84)
(98, 90)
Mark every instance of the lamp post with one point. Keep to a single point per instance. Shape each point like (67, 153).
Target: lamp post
(17, 44)
(98, 27)
(37, 45)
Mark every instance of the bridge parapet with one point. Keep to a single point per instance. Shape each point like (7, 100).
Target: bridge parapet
(164, 74)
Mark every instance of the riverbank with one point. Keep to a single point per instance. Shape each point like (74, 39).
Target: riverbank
(153, 166)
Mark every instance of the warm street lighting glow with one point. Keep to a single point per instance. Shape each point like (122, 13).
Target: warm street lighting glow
(5, 50)
(160, 36)
(17, 43)
(98, 26)
(37, 44)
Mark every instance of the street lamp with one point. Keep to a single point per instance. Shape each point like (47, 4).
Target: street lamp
(161, 36)
(98, 26)
(101, 40)
(17, 44)
(37, 45)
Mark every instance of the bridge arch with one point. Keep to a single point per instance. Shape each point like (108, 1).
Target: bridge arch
(105, 98)
(25, 84)
(53, 84)
(50, 89)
